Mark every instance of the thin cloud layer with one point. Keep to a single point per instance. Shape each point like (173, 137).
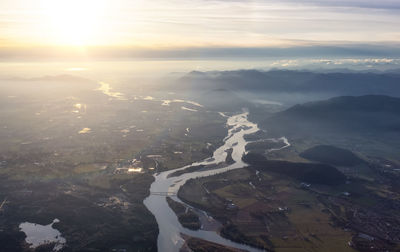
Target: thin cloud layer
(195, 27)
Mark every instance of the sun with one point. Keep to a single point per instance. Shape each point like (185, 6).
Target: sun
(74, 22)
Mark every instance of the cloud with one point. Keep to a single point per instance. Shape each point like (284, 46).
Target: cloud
(370, 4)
(380, 52)
(213, 23)
(367, 4)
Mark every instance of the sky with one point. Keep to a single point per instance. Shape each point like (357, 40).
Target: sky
(175, 28)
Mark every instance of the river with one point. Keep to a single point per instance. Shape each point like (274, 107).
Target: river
(169, 238)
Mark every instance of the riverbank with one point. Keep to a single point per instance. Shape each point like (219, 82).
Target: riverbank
(169, 238)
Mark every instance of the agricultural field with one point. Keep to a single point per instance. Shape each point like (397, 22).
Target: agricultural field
(275, 212)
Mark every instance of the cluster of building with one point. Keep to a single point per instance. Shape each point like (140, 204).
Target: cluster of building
(376, 225)
(132, 166)
(3, 163)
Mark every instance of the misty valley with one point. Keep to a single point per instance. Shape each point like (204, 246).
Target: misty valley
(244, 160)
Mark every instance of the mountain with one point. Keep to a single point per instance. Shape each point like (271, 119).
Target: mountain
(292, 87)
(221, 100)
(363, 114)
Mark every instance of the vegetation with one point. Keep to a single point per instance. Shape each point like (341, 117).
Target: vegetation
(187, 170)
(69, 153)
(48, 169)
(307, 172)
(232, 232)
(331, 155)
(276, 214)
(186, 216)
(198, 245)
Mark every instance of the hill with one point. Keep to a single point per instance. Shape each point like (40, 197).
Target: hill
(331, 155)
(307, 172)
(363, 114)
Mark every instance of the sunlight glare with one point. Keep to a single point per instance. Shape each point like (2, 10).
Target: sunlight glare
(75, 22)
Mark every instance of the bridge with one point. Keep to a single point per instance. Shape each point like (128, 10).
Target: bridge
(163, 193)
(3, 203)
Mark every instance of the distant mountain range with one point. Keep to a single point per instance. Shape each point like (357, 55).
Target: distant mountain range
(309, 85)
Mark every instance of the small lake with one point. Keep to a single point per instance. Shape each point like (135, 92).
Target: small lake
(37, 235)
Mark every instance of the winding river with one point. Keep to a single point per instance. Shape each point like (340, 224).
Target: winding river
(169, 238)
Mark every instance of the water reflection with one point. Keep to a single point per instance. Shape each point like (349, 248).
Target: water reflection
(85, 130)
(37, 235)
(106, 89)
(188, 109)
